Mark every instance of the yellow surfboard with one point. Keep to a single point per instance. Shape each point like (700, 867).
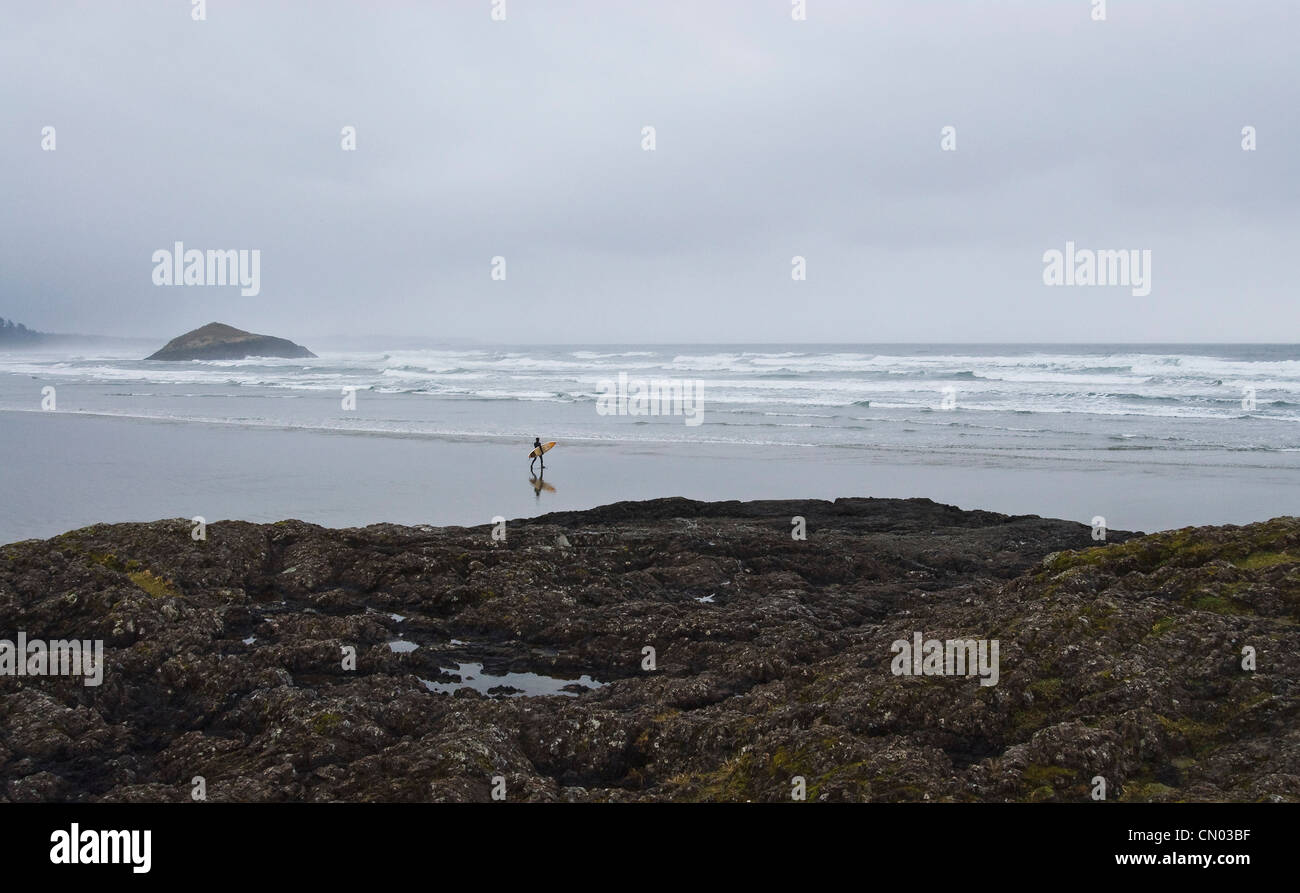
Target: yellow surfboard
(537, 451)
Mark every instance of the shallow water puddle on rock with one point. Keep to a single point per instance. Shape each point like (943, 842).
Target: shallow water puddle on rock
(528, 685)
(401, 646)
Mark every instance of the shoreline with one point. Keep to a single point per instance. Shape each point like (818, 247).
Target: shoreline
(1108, 455)
(66, 470)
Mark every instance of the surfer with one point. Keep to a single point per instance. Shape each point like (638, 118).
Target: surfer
(537, 448)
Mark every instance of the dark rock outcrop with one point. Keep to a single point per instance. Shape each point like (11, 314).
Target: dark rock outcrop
(217, 341)
(225, 659)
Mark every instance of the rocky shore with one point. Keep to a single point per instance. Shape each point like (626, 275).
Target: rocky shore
(665, 650)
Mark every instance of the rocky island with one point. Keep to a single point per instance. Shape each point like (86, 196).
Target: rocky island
(217, 341)
(663, 650)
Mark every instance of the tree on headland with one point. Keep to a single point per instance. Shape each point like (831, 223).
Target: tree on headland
(16, 333)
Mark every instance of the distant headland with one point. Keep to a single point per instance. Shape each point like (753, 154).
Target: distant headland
(16, 334)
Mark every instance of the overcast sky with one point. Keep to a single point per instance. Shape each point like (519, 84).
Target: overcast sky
(774, 138)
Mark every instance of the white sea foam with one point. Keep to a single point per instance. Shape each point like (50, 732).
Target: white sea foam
(1078, 393)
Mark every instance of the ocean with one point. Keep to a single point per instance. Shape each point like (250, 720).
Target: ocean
(1218, 424)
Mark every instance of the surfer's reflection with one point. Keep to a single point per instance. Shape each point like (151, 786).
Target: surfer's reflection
(539, 485)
